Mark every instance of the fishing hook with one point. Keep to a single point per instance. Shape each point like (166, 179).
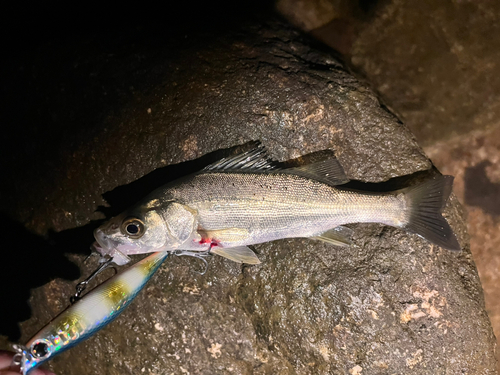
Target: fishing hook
(81, 286)
(93, 253)
(198, 255)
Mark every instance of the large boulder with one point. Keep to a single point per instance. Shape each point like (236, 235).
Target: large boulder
(391, 303)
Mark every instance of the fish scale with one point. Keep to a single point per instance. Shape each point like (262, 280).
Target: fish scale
(261, 206)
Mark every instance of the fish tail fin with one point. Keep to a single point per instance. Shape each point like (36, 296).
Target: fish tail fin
(425, 202)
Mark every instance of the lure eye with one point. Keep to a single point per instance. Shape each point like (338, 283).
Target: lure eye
(40, 349)
(133, 227)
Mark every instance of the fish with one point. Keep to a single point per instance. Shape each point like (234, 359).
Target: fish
(249, 199)
(88, 315)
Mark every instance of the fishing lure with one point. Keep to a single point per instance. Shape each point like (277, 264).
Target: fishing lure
(88, 315)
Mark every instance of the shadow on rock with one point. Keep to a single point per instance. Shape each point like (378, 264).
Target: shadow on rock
(28, 261)
(393, 184)
(124, 196)
(480, 191)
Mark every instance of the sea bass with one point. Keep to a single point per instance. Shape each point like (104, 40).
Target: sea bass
(248, 199)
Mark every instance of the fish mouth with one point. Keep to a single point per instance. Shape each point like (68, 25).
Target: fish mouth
(104, 246)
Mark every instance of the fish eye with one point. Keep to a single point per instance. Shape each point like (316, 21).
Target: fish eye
(40, 349)
(133, 227)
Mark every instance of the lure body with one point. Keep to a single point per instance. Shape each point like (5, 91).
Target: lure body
(87, 316)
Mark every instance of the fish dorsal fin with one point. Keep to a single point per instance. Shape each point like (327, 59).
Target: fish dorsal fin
(328, 171)
(253, 160)
(338, 236)
(240, 254)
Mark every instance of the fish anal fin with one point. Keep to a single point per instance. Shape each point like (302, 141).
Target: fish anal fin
(240, 254)
(338, 236)
(328, 171)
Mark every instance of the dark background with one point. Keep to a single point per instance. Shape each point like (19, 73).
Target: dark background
(50, 106)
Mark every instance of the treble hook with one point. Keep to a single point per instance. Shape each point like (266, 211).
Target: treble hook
(92, 254)
(81, 286)
(198, 255)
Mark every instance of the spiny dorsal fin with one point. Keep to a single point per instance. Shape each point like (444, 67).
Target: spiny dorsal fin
(328, 171)
(240, 254)
(253, 160)
(338, 236)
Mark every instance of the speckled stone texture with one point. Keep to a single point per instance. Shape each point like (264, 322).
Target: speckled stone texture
(474, 159)
(391, 304)
(435, 63)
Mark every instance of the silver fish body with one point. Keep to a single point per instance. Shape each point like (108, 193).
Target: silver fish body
(267, 207)
(231, 205)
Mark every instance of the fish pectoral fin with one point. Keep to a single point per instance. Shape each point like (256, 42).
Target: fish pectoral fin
(227, 235)
(338, 236)
(240, 254)
(328, 171)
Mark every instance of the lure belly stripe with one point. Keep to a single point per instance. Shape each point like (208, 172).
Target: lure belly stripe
(96, 309)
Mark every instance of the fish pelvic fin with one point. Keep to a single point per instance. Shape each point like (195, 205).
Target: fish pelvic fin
(425, 202)
(338, 236)
(240, 254)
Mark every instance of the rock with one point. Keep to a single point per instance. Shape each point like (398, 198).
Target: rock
(471, 159)
(434, 63)
(391, 303)
(311, 14)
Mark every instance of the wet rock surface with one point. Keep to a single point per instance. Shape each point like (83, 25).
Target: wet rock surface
(392, 303)
(473, 159)
(434, 63)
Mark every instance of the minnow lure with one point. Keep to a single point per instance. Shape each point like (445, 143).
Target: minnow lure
(247, 199)
(89, 314)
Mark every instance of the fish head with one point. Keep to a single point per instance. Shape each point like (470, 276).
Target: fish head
(135, 231)
(147, 228)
